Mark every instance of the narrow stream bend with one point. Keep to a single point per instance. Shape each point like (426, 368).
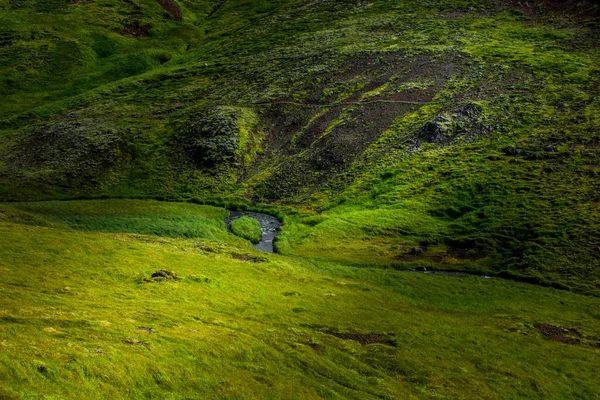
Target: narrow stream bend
(268, 224)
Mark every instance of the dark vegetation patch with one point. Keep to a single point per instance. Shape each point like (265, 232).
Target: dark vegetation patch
(249, 258)
(216, 7)
(163, 275)
(67, 153)
(329, 150)
(583, 10)
(566, 335)
(211, 137)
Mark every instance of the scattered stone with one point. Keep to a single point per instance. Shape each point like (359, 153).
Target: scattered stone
(417, 251)
(511, 151)
(435, 131)
(146, 329)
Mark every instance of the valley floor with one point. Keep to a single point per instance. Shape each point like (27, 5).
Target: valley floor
(82, 317)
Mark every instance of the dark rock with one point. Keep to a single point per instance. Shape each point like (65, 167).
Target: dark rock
(530, 156)
(42, 369)
(143, 328)
(417, 251)
(465, 122)
(511, 151)
(434, 131)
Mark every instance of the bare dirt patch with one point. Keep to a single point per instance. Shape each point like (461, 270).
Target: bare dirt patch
(248, 257)
(364, 338)
(137, 31)
(172, 7)
(559, 334)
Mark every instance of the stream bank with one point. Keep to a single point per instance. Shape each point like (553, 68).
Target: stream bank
(269, 225)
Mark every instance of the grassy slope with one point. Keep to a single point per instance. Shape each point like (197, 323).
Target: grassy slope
(73, 303)
(147, 217)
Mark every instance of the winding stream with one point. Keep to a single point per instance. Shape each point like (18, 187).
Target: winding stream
(268, 224)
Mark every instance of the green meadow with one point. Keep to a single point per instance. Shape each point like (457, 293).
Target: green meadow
(81, 319)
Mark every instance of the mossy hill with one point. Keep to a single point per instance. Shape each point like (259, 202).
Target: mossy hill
(386, 135)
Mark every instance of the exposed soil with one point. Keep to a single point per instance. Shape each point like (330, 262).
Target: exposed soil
(559, 334)
(171, 7)
(136, 30)
(582, 10)
(248, 257)
(364, 338)
(308, 155)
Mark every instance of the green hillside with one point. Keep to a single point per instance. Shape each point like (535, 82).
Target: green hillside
(387, 135)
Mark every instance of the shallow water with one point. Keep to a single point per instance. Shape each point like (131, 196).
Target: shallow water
(268, 224)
